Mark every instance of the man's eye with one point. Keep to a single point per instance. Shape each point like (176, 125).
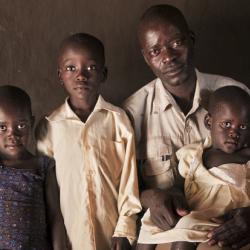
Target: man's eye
(21, 126)
(154, 52)
(91, 68)
(3, 128)
(177, 44)
(70, 68)
(226, 124)
(243, 126)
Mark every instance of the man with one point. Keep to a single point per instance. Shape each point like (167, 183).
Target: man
(168, 113)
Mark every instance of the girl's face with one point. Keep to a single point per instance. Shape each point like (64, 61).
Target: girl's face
(15, 129)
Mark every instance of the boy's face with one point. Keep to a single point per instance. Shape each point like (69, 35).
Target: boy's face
(81, 71)
(15, 129)
(168, 50)
(230, 127)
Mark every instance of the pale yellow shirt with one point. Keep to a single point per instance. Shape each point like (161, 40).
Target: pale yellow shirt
(161, 128)
(96, 173)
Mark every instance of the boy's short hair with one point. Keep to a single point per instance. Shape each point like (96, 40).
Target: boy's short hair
(87, 41)
(229, 94)
(15, 96)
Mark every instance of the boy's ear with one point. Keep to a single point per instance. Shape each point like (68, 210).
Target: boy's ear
(208, 121)
(104, 74)
(32, 119)
(59, 75)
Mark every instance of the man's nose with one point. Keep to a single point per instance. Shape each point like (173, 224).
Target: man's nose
(13, 132)
(168, 55)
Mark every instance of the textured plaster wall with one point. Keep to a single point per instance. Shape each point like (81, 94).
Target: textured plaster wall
(31, 30)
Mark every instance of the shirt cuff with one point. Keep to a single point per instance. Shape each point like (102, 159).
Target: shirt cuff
(126, 227)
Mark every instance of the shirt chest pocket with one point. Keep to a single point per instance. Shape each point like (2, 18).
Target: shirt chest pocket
(110, 156)
(157, 165)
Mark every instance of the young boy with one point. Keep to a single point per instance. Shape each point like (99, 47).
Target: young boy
(93, 145)
(216, 172)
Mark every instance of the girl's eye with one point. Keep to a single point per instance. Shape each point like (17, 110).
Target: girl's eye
(3, 128)
(70, 68)
(243, 126)
(21, 126)
(91, 68)
(226, 124)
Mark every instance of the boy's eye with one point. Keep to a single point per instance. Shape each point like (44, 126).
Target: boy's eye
(3, 128)
(91, 68)
(70, 68)
(22, 126)
(243, 126)
(226, 124)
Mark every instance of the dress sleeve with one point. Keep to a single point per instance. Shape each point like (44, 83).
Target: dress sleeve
(128, 197)
(186, 156)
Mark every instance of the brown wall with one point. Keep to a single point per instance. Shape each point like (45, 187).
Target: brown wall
(30, 31)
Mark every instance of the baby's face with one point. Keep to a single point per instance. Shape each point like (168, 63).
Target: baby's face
(230, 127)
(15, 130)
(81, 72)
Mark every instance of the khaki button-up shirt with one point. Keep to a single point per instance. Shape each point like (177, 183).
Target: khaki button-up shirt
(161, 128)
(96, 173)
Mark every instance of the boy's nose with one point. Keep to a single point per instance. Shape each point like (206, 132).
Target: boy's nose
(82, 75)
(234, 134)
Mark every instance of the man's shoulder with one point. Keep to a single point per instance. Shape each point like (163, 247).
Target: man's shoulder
(214, 81)
(138, 99)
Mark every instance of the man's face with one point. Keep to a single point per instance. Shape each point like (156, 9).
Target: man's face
(168, 50)
(230, 127)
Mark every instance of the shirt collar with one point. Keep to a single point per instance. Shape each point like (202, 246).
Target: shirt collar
(66, 113)
(163, 99)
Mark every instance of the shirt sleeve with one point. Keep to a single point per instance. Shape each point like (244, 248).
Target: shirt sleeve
(42, 131)
(128, 197)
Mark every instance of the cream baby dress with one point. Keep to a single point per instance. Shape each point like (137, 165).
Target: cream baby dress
(210, 193)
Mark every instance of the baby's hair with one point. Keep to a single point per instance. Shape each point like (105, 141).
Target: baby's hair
(15, 96)
(164, 12)
(86, 41)
(229, 94)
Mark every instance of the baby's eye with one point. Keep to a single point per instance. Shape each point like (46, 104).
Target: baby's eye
(91, 68)
(70, 68)
(243, 126)
(226, 124)
(154, 52)
(3, 128)
(22, 126)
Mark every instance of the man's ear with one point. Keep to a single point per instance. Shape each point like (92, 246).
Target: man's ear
(208, 121)
(144, 56)
(104, 74)
(192, 36)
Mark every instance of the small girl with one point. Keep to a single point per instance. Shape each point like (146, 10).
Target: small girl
(216, 172)
(30, 216)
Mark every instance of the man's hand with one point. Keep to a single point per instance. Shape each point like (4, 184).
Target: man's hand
(120, 243)
(166, 207)
(234, 230)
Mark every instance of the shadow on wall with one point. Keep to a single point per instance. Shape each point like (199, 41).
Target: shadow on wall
(31, 31)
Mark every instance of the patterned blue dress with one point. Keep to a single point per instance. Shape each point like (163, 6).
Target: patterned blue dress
(22, 207)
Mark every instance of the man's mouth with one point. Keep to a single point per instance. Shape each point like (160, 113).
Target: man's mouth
(173, 70)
